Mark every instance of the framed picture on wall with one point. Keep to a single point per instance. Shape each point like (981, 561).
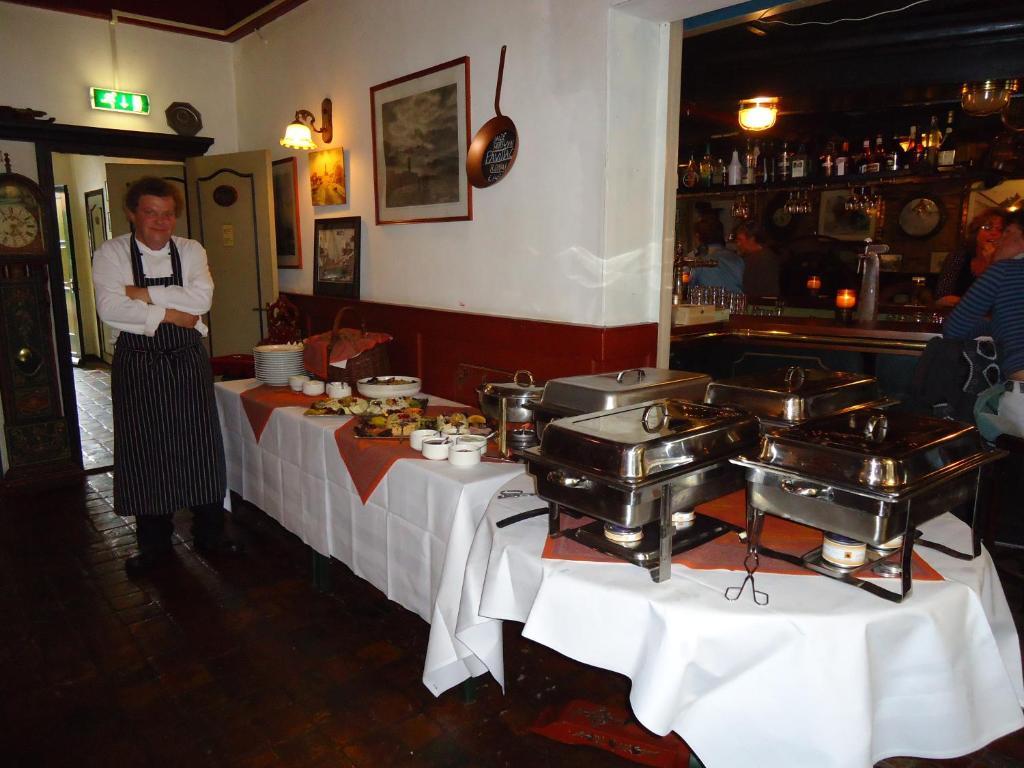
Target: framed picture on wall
(420, 128)
(96, 216)
(835, 221)
(336, 259)
(286, 213)
(327, 177)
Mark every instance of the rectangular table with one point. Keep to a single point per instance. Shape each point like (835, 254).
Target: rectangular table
(412, 536)
(826, 675)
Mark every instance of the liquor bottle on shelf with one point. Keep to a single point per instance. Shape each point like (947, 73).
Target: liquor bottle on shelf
(827, 160)
(705, 167)
(689, 174)
(843, 159)
(877, 164)
(934, 142)
(864, 158)
(894, 155)
(735, 175)
(718, 173)
(798, 166)
(947, 150)
(783, 163)
(750, 168)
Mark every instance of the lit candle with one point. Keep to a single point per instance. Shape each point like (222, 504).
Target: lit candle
(687, 277)
(846, 298)
(814, 283)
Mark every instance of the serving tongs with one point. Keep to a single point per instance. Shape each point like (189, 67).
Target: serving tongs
(755, 522)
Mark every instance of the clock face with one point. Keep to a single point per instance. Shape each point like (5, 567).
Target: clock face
(21, 216)
(18, 227)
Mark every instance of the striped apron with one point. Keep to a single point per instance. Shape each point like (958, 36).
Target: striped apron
(168, 449)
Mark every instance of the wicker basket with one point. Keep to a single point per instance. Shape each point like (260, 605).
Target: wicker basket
(372, 362)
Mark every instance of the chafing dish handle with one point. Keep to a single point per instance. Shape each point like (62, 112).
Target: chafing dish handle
(640, 374)
(527, 374)
(661, 415)
(807, 490)
(559, 477)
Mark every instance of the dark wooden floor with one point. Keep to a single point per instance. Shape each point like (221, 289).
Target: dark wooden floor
(242, 663)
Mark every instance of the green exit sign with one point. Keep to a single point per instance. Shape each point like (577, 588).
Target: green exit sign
(119, 101)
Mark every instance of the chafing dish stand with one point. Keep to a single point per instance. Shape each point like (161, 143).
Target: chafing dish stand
(869, 487)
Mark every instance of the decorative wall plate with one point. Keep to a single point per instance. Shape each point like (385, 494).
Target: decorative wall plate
(921, 217)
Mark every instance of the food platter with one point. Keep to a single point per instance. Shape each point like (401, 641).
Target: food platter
(389, 386)
(361, 406)
(401, 424)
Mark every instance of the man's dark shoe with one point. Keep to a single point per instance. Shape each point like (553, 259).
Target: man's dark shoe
(221, 545)
(143, 563)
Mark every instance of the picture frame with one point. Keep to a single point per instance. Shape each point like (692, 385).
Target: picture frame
(327, 177)
(285, 176)
(96, 219)
(336, 256)
(416, 180)
(836, 222)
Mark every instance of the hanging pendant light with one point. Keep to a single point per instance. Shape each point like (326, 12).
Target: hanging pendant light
(758, 113)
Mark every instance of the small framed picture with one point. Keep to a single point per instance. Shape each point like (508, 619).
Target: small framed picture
(336, 260)
(286, 213)
(327, 177)
(835, 221)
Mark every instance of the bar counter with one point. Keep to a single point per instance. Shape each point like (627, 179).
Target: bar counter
(747, 344)
(898, 338)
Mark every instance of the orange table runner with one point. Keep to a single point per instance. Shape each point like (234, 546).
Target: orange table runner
(727, 552)
(369, 459)
(259, 403)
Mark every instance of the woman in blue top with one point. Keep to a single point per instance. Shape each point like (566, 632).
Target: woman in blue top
(999, 292)
(728, 274)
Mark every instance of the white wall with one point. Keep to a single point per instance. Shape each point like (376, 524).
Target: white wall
(536, 245)
(53, 58)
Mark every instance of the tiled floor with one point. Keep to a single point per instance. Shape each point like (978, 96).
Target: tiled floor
(241, 663)
(95, 419)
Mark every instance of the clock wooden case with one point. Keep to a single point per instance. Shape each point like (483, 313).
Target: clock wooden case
(21, 217)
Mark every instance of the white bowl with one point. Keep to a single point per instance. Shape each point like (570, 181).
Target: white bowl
(416, 438)
(461, 455)
(338, 389)
(296, 382)
(474, 441)
(384, 391)
(435, 448)
(313, 388)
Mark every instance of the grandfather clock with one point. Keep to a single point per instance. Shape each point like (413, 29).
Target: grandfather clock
(35, 432)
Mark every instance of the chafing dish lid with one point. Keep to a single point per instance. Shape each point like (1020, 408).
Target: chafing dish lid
(795, 394)
(871, 448)
(604, 391)
(640, 441)
(520, 386)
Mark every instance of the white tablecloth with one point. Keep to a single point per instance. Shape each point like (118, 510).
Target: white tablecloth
(411, 538)
(826, 675)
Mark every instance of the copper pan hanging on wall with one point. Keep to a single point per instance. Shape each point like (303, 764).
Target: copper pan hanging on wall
(495, 145)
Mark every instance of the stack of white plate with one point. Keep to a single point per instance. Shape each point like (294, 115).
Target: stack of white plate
(276, 362)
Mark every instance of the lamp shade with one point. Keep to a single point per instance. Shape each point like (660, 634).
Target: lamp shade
(298, 136)
(758, 113)
(986, 97)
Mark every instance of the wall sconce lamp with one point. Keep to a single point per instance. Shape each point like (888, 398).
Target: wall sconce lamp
(758, 113)
(986, 97)
(299, 133)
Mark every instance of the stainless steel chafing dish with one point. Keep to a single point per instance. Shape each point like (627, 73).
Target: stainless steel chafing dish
(574, 395)
(635, 468)
(872, 476)
(795, 395)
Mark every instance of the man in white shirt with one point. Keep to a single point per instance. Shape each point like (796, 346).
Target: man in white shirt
(168, 451)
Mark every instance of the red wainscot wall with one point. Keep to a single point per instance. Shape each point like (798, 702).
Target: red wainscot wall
(454, 351)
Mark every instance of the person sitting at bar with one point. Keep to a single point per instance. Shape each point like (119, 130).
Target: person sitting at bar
(728, 273)
(964, 265)
(999, 292)
(760, 264)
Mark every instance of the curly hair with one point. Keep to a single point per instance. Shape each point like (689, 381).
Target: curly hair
(151, 185)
